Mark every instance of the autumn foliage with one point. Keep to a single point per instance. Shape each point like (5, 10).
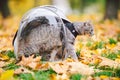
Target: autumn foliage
(99, 56)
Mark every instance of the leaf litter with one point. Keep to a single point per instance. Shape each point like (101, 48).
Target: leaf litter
(92, 54)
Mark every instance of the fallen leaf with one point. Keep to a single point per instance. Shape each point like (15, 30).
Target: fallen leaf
(103, 77)
(62, 77)
(117, 60)
(22, 70)
(1, 71)
(3, 57)
(108, 62)
(53, 77)
(78, 67)
(71, 68)
(30, 61)
(57, 68)
(7, 75)
(2, 63)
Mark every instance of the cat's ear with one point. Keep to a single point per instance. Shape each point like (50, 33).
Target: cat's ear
(87, 23)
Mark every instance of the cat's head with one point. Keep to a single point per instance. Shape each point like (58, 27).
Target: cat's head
(84, 28)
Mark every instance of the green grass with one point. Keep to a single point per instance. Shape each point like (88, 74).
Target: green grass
(112, 41)
(26, 76)
(105, 68)
(118, 37)
(37, 75)
(76, 77)
(106, 73)
(110, 55)
(110, 73)
(95, 45)
(89, 43)
(10, 54)
(78, 52)
(117, 72)
(43, 75)
(11, 66)
(100, 45)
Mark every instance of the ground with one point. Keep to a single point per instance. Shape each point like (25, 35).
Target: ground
(99, 56)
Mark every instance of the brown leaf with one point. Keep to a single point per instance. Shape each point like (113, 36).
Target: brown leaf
(43, 66)
(57, 68)
(3, 57)
(22, 70)
(2, 63)
(71, 67)
(78, 67)
(30, 61)
(109, 62)
(1, 70)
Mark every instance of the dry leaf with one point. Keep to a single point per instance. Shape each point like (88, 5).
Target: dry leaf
(72, 68)
(44, 66)
(2, 63)
(22, 70)
(57, 68)
(78, 67)
(62, 77)
(53, 77)
(108, 62)
(1, 71)
(30, 62)
(3, 57)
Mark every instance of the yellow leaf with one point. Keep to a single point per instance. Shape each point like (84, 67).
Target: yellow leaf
(1, 70)
(117, 60)
(110, 46)
(69, 60)
(3, 57)
(115, 78)
(118, 56)
(7, 75)
(97, 61)
(53, 77)
(103, 76)
(78, 45)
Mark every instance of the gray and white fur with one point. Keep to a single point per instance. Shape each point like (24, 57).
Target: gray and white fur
(40, 37)
(42, 33)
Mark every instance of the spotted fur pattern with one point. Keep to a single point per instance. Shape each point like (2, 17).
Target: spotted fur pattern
(45, 39)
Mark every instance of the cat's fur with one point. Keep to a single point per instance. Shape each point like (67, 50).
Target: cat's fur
(40, 37)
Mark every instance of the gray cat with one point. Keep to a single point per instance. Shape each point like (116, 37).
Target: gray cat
(40, 36)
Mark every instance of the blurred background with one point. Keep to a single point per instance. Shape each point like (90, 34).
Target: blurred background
(103, 13)
(105, 8)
